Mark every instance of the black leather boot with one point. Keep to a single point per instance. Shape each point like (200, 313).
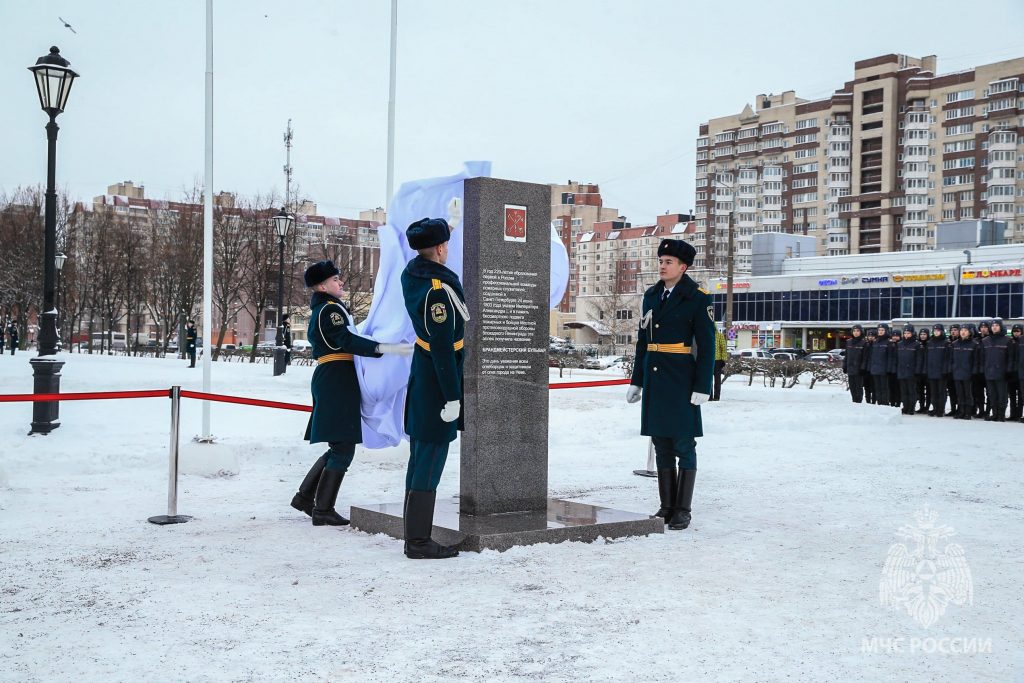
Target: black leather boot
(303, 500)
(324, 513)
(666, 489)
(684, 498)
(419, 520)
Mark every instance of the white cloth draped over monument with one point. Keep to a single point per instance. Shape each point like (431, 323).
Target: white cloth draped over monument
(382, 381)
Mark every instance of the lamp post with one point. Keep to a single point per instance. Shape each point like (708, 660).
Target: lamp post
(53, 85)
(58, 262)
(282, 224)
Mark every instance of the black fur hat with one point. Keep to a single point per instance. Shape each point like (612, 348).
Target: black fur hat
(678, 248)
(428, 232)
(318, 272)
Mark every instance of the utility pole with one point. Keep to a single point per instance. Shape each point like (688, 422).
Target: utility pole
(729, 274)
(729, 249)
(288, 166)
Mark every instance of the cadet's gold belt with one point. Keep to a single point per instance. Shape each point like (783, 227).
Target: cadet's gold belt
(331, 357)
(426, 345)
(669, 348)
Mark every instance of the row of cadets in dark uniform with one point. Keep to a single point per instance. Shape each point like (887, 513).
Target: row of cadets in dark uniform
(981, 371)
(672, 376)
(335, 419)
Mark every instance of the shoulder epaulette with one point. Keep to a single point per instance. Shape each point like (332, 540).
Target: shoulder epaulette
(701, 289)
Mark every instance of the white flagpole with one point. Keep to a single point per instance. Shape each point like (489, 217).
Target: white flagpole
(208, 224)
(391, 105)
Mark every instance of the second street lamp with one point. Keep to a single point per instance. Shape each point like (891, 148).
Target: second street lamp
(58, 262)
(53, 85)
(282, 224)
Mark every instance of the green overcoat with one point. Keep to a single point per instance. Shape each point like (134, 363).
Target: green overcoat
(335, 388)
(669, 379)
(435, 302)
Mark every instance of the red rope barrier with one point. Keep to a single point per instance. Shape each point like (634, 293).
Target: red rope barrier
(599, 383)
(165, 393)
(85, 396)
(246, 401)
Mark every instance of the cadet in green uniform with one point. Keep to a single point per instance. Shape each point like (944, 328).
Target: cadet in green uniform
(335, 387)
(433, 405)
(672, 373)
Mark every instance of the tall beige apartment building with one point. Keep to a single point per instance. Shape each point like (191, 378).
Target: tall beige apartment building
(872, 168)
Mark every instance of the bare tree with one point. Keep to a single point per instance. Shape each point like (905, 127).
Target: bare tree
(259, 263)
(229, 250)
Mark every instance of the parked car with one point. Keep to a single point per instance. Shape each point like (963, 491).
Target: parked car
(301, 344)
(820, 357)
(753, 353)
(837, 354)
(784, 355)
(797, 353)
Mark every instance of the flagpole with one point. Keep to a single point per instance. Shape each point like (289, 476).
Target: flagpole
(391, 105)
(208, 225)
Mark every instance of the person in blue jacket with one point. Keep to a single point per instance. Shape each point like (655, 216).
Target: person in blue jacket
(436, 304)
(672, 375)
(335, 419)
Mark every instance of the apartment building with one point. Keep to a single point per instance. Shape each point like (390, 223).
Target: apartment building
(872, 168)
(352, 243)
(615, 264)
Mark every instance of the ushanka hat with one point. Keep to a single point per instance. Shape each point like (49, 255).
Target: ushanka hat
(428, 232)
(678, 248)
(318, 272)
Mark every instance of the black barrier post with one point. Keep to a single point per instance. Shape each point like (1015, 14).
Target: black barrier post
(172, 516)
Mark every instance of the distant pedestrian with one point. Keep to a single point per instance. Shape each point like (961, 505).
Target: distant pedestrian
(12, 334)
(922, 375)
(938, 365)
(287, 337)
(190, 342)
(965, 363)
(879, 358)
(996, 360)
(853, 362)
(978, 381)
(909, 360)
(1013, 387)
(954, 336)
(869, 381)
(721, 356)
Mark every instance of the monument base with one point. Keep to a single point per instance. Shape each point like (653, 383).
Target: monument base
(563, 521)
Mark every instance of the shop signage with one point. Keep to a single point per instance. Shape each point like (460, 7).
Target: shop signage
(919, 277)
(989, 274)
(828, 282)
(735, 285)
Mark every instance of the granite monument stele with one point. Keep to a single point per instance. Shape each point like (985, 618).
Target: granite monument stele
(503, 499)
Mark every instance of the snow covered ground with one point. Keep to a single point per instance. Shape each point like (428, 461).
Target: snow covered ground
(798, 500)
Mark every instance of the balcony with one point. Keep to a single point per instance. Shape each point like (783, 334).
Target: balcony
(916, 122)
(839, 134)
(1002, 141)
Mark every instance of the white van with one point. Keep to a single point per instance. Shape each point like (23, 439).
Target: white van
(118, 341)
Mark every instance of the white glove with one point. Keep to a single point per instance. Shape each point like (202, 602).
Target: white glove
(699, 399)
(396, 349)
(450, 412)
(633, 393)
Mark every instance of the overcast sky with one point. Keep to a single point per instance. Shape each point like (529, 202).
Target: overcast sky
(548, 90)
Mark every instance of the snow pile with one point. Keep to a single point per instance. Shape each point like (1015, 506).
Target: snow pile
(799, 497)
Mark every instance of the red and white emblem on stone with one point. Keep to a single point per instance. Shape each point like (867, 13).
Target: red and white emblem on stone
(515, 223)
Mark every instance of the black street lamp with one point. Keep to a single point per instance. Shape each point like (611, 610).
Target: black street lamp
(53, 84)
(282, 224)
(58, 262)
